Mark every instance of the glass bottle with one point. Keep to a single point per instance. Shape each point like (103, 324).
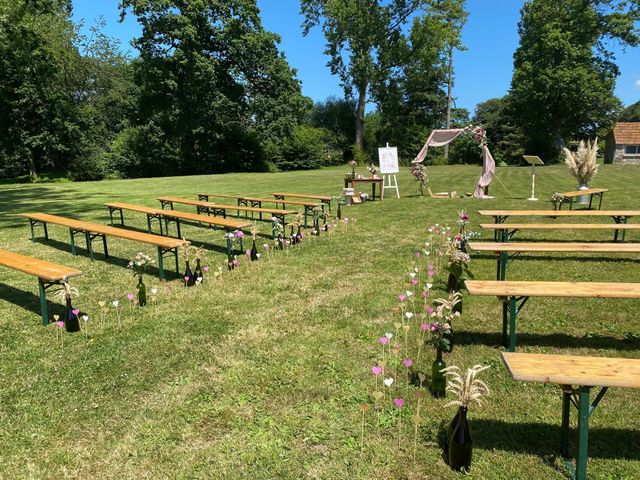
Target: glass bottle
(142, 292)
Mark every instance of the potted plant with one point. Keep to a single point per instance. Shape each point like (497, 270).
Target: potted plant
(353, 164)
(139, 266)
(583, 165)
(458, 445)
(373, 170)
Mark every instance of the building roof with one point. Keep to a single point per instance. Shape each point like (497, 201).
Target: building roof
(627, 133)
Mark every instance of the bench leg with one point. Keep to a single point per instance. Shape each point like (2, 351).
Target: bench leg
(590, 200)
(505, 327)
(160, 264)
(111, 215)
(46, 232)
(149, 224)
(600, 204)
(175, 252)
(73, 242)
(104, 245)
(513, 312)
(583, 433)
(33, 235)
(504, 261)
(87, 236)
(44, 311)
(306, 211)
(566, 414)
(178, 227)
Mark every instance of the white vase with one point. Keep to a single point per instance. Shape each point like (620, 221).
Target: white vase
(582, 199)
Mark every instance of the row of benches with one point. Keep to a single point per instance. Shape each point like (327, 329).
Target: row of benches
(51, 274)
(566, 371)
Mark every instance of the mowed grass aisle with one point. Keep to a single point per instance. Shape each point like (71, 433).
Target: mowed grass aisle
(260, 374)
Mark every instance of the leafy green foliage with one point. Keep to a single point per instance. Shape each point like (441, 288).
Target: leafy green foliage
(564, 72)
(504, 135)
(631, 113)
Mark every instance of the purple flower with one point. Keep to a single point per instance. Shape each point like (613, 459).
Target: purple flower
(424, 326)
(239, 234)
(59, 324)
(130, 296)
(399, 402)
(206, 268)
(75, 311)
(402, 297)
(376, 370)
(414, 281)
(407, 362)
(384, 340)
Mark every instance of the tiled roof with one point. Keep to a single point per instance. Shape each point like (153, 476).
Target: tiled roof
(627, 133)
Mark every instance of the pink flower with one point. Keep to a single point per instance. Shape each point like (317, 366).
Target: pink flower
(414, 281)
(376, 370)
(384, 340)
(424, 326)
(429, 310)
(407, 362)
(206, 268)
(402, 297)
(75, 311)
(425, 293)
(59, 324)
(235, 262)
(239, 234)
(265, 246)
(430, 266)
(430, 273)
(186, 279)
(417, 254)
(130, 296)
(399, 402)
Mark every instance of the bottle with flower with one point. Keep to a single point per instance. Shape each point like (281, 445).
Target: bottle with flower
(138, 267)
(437, 338)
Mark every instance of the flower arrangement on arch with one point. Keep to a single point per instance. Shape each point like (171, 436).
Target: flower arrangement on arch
(478, 133)
(420, 174)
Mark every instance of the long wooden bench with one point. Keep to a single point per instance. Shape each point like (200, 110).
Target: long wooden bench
(210, 208)
(177, 216)
(618, 216)
(323, 198)
(592, 192)
(514, 295)
(506, 231)
(576, 376)
(258, 201)
(91, 231)
(504, 249)
(48, 274)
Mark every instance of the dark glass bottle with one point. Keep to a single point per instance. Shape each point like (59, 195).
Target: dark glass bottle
(460, 443)
(438, 381)
(292, 237)
(188, 277)
(299, 235)
(339, 212)
(254, 252)
(71, 322)
(142, 292)
(197, 272)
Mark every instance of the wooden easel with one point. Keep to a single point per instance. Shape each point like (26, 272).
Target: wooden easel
(389, 180)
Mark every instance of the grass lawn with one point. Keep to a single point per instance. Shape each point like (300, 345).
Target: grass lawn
(260, 373)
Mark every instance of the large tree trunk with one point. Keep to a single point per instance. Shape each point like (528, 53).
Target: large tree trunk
(558, 140)
(362, 101)
(33, 174)
(449, 85)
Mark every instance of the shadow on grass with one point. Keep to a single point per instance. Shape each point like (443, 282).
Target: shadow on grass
(554, 340)
(543, 439)
(30, 301)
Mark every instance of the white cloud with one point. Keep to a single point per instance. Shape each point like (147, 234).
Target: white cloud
(637, 83)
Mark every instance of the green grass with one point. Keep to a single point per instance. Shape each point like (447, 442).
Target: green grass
(260, 375)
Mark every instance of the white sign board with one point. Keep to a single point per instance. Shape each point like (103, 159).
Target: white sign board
(388, 157)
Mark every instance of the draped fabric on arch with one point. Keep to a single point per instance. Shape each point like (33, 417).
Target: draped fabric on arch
(440, 138)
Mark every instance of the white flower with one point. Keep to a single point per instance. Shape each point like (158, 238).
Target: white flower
(154, 291)
(389, 335)
(409, 293)
(412, 274)
(85, 317)
(408, 314)
(388, 381)
(116, 303)
(429, 285)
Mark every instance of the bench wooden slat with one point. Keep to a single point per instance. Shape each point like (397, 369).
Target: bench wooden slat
(573, 370)
(559, 213)
(581, 247)
(589, 191)
(260, 199)
(222, 222)
(48, 271)
(324, 198)
(201, 203)
(560, 226)
(507, 288)
(149, 238)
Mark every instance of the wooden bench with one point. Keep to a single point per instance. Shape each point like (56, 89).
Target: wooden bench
(618, 216)
(576, 376)
(323, 198)
(177, 216)
(597, 192)
(514, 296)
(506, 231)
(48, 274)
(91, 231)
(210, 208)
(505, 249)
(257, 203)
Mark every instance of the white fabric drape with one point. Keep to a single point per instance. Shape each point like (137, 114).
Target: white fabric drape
(440, 138)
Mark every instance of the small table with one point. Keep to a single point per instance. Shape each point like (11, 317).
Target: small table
(583, 372)
(373, 181)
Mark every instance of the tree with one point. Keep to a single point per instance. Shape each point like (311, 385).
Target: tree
(504, 135)
(564, 72)
(37, 116)
(631, 113)
(367, 43)
(214, 90)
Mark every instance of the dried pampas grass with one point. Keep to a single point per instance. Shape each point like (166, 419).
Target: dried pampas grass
(582, 164)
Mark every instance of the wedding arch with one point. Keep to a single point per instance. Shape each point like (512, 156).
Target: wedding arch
(440, 138)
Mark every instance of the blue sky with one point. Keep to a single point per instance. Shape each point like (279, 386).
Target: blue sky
(483, 71)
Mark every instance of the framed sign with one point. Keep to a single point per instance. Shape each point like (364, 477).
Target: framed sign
(388, 157)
